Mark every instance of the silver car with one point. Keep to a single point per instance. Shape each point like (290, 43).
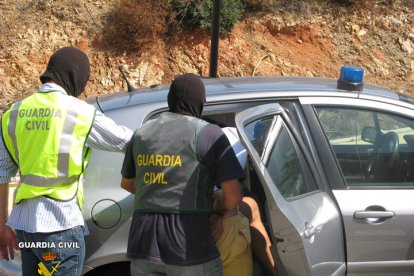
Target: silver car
(331, 162)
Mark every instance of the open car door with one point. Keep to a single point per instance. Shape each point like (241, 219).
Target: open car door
(304, 223)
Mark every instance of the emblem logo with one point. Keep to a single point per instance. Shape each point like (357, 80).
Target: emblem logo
(49, 256)
(43, 270)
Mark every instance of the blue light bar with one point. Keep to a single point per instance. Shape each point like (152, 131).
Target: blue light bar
(351, 78)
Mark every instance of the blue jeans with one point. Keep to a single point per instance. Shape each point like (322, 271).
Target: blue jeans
(141, 267)
(59, 253)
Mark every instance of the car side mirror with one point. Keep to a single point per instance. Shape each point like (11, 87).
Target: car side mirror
(369, 134)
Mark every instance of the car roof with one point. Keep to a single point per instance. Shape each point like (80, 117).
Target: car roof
(294, 86)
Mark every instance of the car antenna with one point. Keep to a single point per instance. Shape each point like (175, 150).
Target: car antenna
(120, 67)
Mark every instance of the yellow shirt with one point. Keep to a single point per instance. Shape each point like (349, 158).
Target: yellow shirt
(234, 247)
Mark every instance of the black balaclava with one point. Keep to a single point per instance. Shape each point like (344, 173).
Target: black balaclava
(187, 95)
(69, 68)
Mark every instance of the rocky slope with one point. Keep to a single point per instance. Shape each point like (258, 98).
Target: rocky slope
(298, 38)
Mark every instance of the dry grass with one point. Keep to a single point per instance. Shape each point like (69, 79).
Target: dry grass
(365, 5)
(134, 25)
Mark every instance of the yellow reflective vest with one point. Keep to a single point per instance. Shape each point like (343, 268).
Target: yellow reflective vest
(45, 134)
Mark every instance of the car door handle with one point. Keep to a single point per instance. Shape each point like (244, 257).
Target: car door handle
(373, 214)
(309, 230)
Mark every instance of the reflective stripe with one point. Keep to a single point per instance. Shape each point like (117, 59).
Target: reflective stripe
(12, 128)
(41, 181)
(65, 142)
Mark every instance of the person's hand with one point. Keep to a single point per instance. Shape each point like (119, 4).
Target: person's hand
(7, 242)
(216, 226)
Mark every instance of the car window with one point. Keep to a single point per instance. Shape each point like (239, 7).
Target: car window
(282, 157)
(284, 168)
(258, 131)
(221, 114)
(225, 119)
(373, 148)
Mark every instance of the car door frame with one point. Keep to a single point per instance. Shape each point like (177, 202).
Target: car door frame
(316, 259)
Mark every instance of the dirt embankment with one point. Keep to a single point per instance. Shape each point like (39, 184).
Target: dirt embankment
(312, 38)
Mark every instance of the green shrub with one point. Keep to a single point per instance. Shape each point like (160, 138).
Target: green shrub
(199, 13)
